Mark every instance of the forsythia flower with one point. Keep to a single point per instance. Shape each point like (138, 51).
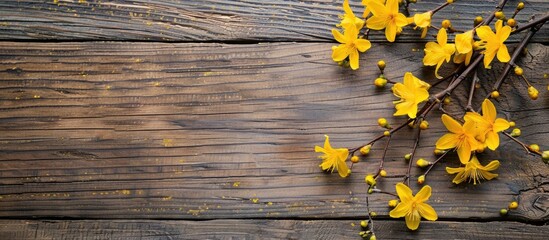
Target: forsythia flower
(488, 124)
(460, 137)
(386, 17)
(349, 18)
(413, 207)
(494, 42)
(435, 54)
(350, 46)
(423, 21)
(474, 171)
(411, 92)
(464, 46)
(333, 158)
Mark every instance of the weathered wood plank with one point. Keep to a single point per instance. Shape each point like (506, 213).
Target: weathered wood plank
(205, 131)
(261, 229)
(215, 20)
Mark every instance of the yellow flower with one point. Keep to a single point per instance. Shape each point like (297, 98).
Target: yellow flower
(366, 9)
(435, 54)
(413, 207)
(488, 124)
(349, 18)
(494, 43)
(350, 46)
(474, 171)
(333, 159)
(411, 92)
(386, 17)
(464, 46)
(460, 137)
(423, 21)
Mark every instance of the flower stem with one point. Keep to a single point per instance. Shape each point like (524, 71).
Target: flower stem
(469, 106)
(416, 143)
(439, 8)
(435, 162)
(532, 24)
(353, 150)
(383, 156)
(527, 148)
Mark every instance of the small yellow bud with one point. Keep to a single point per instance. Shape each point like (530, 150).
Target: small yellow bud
(439, 152)
(533, 93)
(545, 156)
(534, 147)
(362, 233)
(421, 179)
(450, 1)
(383, 173)
(422, 163)
(348, 172)
(503, 212)
(424, 125)
(393, 203)
(499, 15)
(518, 71)
(364, 223)
(515, 132)
(381, 65)
(370, 191)
(513, 205)
(370, 180)
(495, 94)
(380, 82)
(373, 214)
(411, 124)
(407, 157)
(373, 237)
(355, 159)
(512, 124)
(387, 133)
(382, 122)
(365, 150)
(477, 85)
(478, 20)
(520, 6)
(511, 22)
(447, 100)
(446, 23)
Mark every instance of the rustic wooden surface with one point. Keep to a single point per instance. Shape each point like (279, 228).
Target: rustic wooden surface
(139, 140)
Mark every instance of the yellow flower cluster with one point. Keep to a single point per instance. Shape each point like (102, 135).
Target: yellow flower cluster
(333, 158)
(477, 133)
(411, 92)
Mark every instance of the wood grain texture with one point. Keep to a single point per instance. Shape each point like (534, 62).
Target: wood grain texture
(209, 131)
(260, 229)
(217, 20)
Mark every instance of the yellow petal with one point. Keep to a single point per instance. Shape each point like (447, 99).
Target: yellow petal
(492, 140)
(468, 57)
(362, 45)
(319, 149)
(421, 95)
(392, 6)
(485, 33)
(447, 141)
(412, 220)
(489, 110)
(338, 36)
(377, 8)
(400, 210)
(464, 42)
(404, 192)
(353, 59)
(422, 20)
(347, 8)
(427, 212)
(493, 165)
(503, 33)
(488, 57)
(460, 177)
(327, 145)
(436, 69)
(442, 37)
(339, 53)
(451, 170)
(500, 124)
(423, 194)
(503, 54)
(401, 20)
(376, 23)
(390, 32)
(404, 108)
(488, 175)
(342, 169)
(326, 165)
(451, 124)
(464, 152)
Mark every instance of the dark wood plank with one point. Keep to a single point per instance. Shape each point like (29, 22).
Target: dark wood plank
(206, 131)
(261, 229)
(215, 20)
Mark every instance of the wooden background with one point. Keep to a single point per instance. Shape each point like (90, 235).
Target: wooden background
(165, 119)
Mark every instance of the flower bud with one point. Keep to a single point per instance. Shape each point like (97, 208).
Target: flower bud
(366, 149)
(373, 237)
(545, 156)
(513, 205)
(534, 147)
(518, 71)
(450, 1)
(383, 173)
(393, 203)
(515, 132)
(511, 22)
(370, 180)
(421, 179)
(422, 163)
(446, 23)
(362, 233)
(447, 100)
(364, 223)
(387, 133)
(380, 82)
(381, 65)
(503, 212)
(424, 125)
(355, 159)
(520, 6)
(512, 124)
(373, 214)
(382, 122)
(494, 94)
(438, 152)
(478, 20)
(533, 93)
(499, 15)
(407, 157)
